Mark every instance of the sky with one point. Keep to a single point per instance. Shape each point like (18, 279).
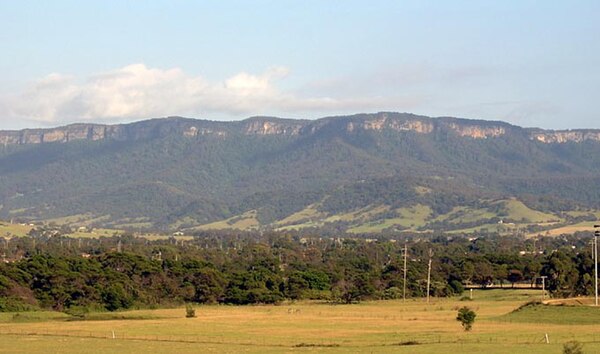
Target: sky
(529, 63)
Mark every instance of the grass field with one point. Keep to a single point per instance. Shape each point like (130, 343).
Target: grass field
(571, 229)
(13, 230)
(377, 217)
(95, 233)
(307, 214)
(370, 219)
(411, 218)
(516, 210)
(369, 327)
(245, 221)
(465, 214)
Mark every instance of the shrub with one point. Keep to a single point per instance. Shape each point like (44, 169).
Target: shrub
(392, 293)
(456, 287)
(466, 317)
(12, 304)
(115, 298)
(190, 311)
(573, 347)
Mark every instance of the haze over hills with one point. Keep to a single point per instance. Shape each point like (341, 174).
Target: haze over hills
(361, 173)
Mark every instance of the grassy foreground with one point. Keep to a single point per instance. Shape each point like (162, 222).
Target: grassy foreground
(371, 327)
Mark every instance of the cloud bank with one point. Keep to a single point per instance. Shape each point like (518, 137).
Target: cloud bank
(138, 91)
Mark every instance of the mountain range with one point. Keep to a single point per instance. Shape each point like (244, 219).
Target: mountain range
(382, 172)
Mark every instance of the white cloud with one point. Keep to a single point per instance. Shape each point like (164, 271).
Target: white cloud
(137, 91)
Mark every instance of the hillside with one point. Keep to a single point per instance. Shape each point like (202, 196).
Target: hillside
(361, 173)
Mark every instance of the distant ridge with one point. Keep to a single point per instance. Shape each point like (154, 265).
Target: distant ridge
(363, 172)
(271, 125)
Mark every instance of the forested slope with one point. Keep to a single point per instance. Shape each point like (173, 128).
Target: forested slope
(181, 173)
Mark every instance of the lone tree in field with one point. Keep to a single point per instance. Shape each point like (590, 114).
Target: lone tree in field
(466, 317)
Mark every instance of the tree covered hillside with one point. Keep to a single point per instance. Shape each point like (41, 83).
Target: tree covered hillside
(182, 173)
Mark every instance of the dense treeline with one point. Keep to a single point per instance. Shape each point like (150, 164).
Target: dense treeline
(125, 271)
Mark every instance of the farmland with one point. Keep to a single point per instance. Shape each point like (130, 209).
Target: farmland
(378, 326)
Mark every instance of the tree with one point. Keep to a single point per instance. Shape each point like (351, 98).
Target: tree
(467, 271)
(115, 297)
(514, 276)
(484, 273)
(562, 274)
(466, 317)
(501, 273)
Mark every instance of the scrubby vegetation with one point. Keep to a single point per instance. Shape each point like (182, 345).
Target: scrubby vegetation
(466, 317)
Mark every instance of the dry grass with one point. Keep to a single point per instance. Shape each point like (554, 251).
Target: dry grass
(517, 210)
(305, 215)
(410, 217)
(587, 226)
(359, 215)
(245, 221)
(307, 326)
(9, 230)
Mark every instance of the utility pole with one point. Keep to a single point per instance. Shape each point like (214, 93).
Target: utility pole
(429, 273)
(596, 235)
(543, 286)
(405, 269)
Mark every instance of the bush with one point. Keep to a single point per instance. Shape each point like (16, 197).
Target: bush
(115, 298)
(456, 287)
(573, 347)
(11, 304)
(392, 293)
(190, 311)
(466, 317)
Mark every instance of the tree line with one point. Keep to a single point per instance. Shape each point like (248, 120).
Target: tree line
(124, 271)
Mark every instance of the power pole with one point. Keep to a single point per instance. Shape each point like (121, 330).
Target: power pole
(543, 286)
(429, 273)
(405, 269)
(596, 235)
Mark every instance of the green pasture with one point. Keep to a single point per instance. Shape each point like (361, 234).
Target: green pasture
(9, 230)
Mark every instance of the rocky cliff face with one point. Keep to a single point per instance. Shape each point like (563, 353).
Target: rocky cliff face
(192, 128)
(578, 136)
(62, 135)
(384, 121)
(271, 127)
(477, 132)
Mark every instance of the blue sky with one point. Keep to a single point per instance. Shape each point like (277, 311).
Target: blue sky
(531, 63)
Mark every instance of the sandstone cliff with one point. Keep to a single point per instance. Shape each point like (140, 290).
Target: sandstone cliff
(193, 128)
